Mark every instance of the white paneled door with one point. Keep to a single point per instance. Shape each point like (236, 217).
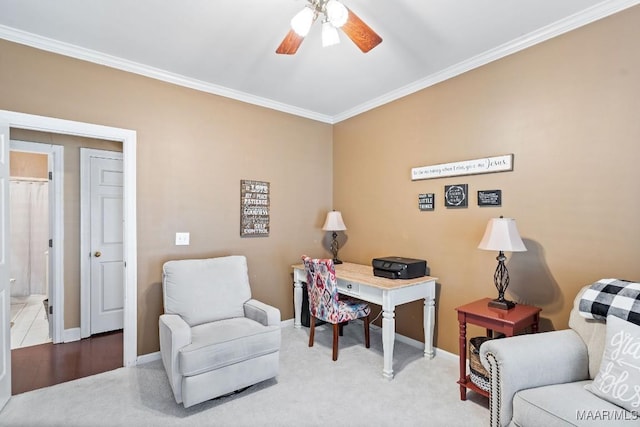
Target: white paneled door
(107, 264)
(5, 292)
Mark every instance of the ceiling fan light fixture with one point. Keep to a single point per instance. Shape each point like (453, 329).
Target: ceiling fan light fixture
(337, 14)
(330, 35)
(301, 22)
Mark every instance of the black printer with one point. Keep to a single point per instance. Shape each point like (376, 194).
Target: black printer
(395, 267)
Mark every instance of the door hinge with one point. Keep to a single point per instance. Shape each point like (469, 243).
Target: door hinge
(50, 309)
(50, 243)
(50, 176)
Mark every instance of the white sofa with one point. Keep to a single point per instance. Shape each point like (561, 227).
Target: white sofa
(214, 338)
(539, 379)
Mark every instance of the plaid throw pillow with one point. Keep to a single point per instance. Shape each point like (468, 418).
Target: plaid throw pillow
(620, 298)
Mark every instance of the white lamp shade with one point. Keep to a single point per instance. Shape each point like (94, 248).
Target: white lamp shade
(329, 35)
(334, 222)
(502, 235)
(301, 22)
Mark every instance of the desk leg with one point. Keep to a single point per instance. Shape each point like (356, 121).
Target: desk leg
(297, 303)
(388, 338)
(429, 324)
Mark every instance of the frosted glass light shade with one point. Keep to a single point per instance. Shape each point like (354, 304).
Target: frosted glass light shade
(336, 13)
(329, 35)
(301, 22)
(334, 222)
(502, 235)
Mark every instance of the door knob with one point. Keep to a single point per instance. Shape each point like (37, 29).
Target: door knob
(97, 254)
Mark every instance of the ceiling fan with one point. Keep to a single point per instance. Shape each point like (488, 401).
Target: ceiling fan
(334, 15)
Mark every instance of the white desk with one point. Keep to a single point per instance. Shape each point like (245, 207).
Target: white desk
(358, 281)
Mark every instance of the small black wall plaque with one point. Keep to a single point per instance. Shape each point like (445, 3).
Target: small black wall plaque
(490, 198)
(456, 196)
(426, 201)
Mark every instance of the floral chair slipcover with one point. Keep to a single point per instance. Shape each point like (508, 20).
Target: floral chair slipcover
(325, 303)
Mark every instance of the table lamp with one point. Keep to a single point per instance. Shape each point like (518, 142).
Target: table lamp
(334, 223)
(502, 235)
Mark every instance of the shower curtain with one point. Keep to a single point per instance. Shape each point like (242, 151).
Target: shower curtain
(29, 221)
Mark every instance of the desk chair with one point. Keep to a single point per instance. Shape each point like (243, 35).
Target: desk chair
(325, 304)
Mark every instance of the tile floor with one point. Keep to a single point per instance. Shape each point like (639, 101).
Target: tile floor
(29, 322)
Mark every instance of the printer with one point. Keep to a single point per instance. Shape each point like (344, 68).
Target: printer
(395, 267)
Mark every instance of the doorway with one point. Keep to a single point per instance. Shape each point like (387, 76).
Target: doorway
(32, 208)
(128, 139)
(45, 177)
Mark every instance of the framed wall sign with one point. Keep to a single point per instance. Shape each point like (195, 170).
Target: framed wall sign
(490, 198)
(254, 208)
(466, 167)
(456, 196)
(426, 201)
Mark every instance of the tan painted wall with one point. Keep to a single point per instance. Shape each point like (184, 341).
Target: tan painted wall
(193, 149)
(28, 165)
(71, 207)
(568, 110)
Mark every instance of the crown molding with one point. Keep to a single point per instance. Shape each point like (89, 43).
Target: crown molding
(594, 13)
(73, 51)
(565, 25)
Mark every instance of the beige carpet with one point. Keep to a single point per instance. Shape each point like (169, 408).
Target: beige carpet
(311, 390)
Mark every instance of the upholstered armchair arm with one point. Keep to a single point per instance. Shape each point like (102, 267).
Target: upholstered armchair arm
(175, 333)
(528, 361)
(261, 312)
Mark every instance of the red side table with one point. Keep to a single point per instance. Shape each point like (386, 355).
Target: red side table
(508, 322)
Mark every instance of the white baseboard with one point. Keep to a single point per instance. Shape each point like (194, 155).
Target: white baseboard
(286, 323)
(70, 335)
(420, 344)
(149, 357)
(399, 337)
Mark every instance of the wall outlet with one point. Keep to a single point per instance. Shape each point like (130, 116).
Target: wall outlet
(182, 239)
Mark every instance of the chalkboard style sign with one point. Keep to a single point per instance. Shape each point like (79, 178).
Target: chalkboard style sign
(254, 208)
(426, 201)
(456, 196)
(490, 198)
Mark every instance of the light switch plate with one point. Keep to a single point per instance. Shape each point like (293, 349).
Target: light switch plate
(182, 239)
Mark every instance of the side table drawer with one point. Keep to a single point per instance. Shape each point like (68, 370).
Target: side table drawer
(348, 288)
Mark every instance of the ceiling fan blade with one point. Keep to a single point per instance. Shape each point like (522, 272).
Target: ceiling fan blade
(290, 44)
(360, 33)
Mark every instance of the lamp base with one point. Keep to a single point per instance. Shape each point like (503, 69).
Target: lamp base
(337, 261)
(501, 304)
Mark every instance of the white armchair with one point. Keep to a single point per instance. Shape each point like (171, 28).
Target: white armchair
(215, 339)
(539, 379)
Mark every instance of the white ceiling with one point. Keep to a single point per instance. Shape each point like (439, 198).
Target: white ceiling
(227, 47)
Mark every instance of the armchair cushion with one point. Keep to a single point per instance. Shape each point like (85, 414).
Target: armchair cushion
(226, 342)
(566, 404)
(202, 291)
(528, 361)
(619, 378)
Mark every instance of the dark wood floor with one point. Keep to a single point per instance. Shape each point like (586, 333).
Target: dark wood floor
(43, 365)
